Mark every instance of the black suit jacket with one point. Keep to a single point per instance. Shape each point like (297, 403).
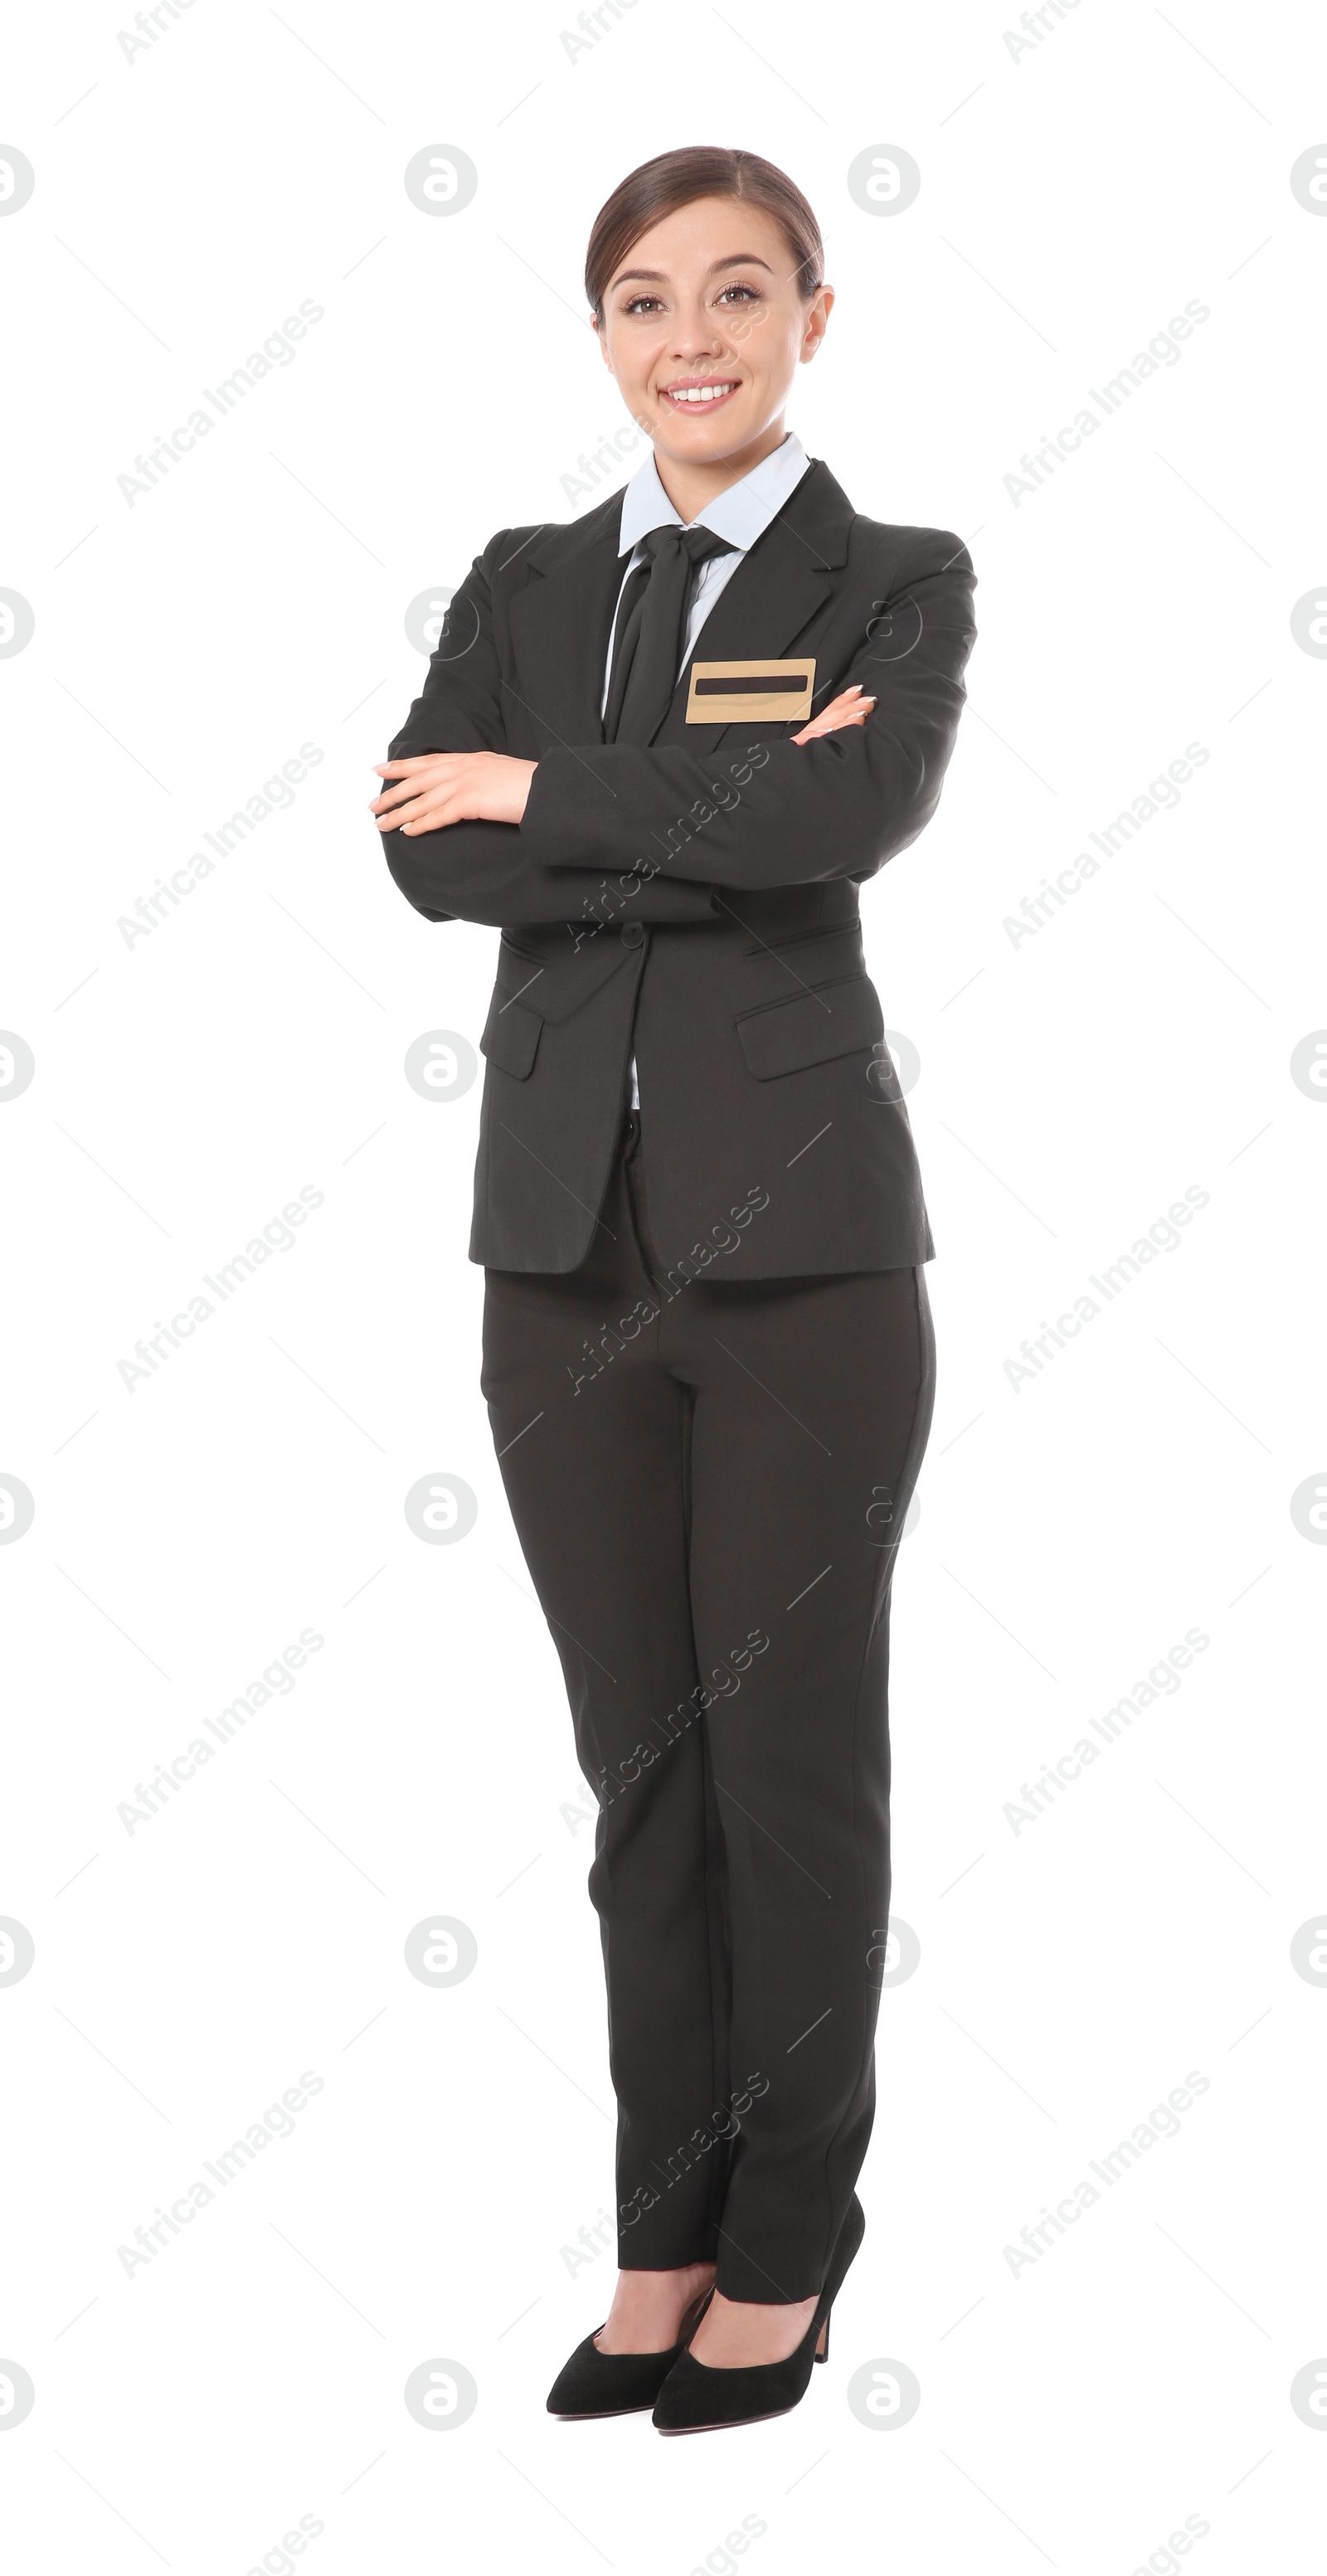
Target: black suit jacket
(694, 900)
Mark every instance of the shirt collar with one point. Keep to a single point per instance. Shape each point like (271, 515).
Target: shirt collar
(741, 514)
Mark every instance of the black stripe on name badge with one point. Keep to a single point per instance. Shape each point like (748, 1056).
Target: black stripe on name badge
(792, 682)
(741, 692)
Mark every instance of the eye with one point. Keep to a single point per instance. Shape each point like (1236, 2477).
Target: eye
(637, 303)
(740, 287)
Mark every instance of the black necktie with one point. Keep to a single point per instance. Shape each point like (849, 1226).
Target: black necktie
(651, 623)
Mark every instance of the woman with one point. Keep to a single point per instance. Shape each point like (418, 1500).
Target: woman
(708, 1353)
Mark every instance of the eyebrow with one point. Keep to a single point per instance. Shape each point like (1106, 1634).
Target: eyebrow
(658, 276)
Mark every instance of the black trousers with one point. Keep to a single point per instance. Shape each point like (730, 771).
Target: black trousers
(709, 1483)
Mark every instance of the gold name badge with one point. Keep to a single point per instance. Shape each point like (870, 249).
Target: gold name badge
(740, 692)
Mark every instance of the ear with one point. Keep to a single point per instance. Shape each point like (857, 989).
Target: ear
(817, 322)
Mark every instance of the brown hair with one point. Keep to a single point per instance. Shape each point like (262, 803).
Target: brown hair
(675, 179)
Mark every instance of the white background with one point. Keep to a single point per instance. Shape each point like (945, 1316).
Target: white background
(1072, 1087)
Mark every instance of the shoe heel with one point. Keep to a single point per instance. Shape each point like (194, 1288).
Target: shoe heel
(824, 2355)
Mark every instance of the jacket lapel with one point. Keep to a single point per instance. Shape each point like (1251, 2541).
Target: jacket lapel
(562, 619)
(561, 622)
(772, 596)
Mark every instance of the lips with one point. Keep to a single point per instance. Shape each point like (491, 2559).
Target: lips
(700, 393)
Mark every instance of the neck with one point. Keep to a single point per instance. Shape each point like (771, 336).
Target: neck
(690, 486)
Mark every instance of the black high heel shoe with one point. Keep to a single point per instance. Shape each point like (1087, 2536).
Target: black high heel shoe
(697, 2399)
(619, 2383)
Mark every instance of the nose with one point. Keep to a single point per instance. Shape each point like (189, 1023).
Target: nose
(697, 334)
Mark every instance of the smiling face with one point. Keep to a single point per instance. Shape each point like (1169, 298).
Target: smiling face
(704, 329)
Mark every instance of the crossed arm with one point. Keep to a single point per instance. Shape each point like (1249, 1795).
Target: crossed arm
(435, 788)
(469, 832)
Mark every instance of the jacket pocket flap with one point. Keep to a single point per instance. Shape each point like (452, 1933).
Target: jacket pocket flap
(511, 1036)
(810, 1028)
(562, 978)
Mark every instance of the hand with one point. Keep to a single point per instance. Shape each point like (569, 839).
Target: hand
(452, 787)
(848, 709)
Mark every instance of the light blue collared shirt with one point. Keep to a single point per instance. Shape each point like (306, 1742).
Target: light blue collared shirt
(741, 514)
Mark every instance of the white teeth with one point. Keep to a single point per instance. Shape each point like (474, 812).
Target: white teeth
(697, 393)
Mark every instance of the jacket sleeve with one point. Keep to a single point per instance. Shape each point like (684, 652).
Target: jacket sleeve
(782, 813)
(487, 871)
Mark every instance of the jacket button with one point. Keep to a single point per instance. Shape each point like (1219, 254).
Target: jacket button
(633, 933)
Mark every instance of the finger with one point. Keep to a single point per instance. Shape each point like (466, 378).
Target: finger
(422, 812)
(432, 820)
(396, 795)
(834, 718)
(849, 702)
(417, 760)
(822, 732)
